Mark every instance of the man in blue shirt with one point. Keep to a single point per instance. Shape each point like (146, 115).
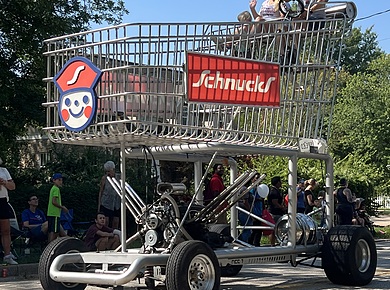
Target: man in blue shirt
(34, 219)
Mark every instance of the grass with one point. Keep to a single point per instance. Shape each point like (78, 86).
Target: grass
(382, 232)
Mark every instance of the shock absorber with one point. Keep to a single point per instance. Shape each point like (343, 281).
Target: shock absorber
(149, 279)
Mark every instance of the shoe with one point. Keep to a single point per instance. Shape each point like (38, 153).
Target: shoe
(13, 256)
(8, 259)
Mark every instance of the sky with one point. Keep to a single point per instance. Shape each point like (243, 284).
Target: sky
(153, 11)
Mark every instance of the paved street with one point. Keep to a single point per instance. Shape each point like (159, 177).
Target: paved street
(273, 276)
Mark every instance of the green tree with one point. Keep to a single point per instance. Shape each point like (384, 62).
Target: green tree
(360, 49)
(361, 132)
(24, 25)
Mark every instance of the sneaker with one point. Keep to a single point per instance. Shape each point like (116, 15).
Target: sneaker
(8, 259)
(13, 256)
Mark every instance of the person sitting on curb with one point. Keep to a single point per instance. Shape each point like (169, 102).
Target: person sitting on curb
(99, 237)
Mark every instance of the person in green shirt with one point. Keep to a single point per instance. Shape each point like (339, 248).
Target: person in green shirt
(54, 208)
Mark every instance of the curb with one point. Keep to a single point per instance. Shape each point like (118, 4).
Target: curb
(21, 270)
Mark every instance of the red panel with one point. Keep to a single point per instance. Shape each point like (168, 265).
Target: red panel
(216, 79)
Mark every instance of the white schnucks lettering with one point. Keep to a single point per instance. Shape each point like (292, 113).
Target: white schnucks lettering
(218, 81)
(201, 79)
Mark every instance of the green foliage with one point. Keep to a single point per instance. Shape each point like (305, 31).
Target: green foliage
(361, 134)
(24, 25)
(360, 50)
(278, 166)
(382, 232)
(82, 168)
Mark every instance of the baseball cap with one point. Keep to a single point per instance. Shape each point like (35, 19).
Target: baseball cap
(57, 176)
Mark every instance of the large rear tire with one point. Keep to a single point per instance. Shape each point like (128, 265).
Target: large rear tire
(228, 270)
(349, 255)
(192, 265)
(57, 247)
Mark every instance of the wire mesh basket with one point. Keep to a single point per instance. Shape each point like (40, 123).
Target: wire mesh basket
(150, 90)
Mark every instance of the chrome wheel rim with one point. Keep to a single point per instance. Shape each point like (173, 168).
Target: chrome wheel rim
(201, 273)
(362, 255)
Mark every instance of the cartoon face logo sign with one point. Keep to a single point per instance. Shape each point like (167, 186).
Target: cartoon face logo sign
(76, 82)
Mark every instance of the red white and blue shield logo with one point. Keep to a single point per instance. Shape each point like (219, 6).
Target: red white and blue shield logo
(78, 102)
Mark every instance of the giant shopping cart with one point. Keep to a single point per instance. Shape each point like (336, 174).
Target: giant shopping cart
(180, 92)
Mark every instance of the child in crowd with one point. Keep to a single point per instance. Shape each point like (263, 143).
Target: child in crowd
(54, 208)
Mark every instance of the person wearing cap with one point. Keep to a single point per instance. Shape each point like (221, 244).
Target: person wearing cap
(6, 184)
(345, 203)
(54, 208)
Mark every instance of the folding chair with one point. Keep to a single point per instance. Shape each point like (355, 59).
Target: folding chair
(66, 221)
(18, 236)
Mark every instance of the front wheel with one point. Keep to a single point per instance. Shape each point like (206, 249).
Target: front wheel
(349, 255)
(58, 247)
(192, 265)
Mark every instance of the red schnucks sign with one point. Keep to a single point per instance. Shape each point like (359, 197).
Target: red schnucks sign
(227, 80)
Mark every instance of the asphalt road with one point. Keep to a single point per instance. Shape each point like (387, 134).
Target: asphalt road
(265, 276)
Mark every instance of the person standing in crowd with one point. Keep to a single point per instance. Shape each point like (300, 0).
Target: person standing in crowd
(301, 196)
(99, 237)
(257, 205)
(6, 183)
(275, 202)
(109, 201)
(244, 219)
(54, 208)
(216, 187)
(345, 203)
(310, 185)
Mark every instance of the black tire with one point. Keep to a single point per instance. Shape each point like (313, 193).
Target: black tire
(371, 229)
(229, 270)
(192, 265)
(223, 229)
(57, 247)
(284, 8)
(349, 255)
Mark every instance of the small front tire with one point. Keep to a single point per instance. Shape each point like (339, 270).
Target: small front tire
(192, 265)
(55, 248)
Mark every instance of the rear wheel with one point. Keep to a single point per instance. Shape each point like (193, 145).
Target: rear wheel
(192, 265)
(349, 255)
(54, 249)
(228, 270)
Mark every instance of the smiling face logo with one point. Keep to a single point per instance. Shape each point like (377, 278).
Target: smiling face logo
(76, 82)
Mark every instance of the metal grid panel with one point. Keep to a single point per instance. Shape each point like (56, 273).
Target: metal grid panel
(142, 92)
